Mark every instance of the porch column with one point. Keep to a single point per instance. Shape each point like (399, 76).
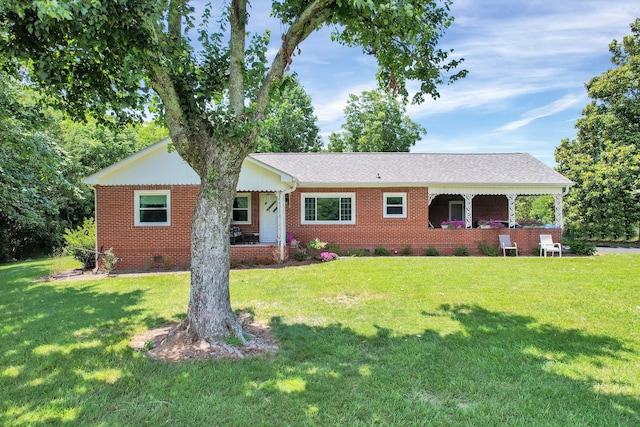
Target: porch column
(468, 213)
(558, 205)
(282, 238)
(511, 198)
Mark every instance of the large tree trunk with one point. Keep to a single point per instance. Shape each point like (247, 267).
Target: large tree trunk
(209, 314)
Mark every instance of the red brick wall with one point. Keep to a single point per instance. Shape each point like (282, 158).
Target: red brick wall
(370, 225)
(161, 247)
(372, 230)
(146, 247)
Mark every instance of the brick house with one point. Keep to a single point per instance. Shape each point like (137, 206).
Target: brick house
(144, 203)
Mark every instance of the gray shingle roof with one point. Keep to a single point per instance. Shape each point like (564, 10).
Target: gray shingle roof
(413, 168)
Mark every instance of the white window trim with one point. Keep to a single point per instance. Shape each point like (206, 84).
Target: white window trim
(456, 202)
(352, 196)
(136, 203)
(248, 221)
(385, 205)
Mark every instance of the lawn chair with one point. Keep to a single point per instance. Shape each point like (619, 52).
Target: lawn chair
(547, 245)
(505, 244)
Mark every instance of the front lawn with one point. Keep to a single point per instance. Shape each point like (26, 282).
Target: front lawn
(390, 341)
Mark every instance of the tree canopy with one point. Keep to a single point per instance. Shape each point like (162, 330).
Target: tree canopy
(375, 121)
(30, 169)
(43, 158)
(290, 125)
(213, 83)
(604, 159)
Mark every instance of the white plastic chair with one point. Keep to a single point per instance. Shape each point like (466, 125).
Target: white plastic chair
(547, 245)
(505, 244)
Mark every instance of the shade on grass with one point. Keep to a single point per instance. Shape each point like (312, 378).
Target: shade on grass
(400, 341)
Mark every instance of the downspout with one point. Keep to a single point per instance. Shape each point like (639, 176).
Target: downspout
(95, 216)
(282, 238)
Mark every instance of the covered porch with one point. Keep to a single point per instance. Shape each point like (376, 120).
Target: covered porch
(472, 204)
(258, 230)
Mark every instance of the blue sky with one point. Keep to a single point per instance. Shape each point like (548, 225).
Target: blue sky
(527, 61)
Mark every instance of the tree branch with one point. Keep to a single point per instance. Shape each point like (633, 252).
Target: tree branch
(236, 51)
(314, 15)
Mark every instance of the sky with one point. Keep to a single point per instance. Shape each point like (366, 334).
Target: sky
(528, 62)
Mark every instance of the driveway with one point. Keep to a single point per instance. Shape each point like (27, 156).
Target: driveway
(612, 249)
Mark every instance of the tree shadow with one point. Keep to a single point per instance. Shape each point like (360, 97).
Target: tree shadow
(500, 368)
(60, 343)
(64, 358)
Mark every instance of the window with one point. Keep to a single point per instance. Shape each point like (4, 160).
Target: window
(328, 208)
(242, 209)
(395, 205)
(153, 207)
(456, 210)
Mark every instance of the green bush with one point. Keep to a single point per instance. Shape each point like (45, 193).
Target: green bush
(109, 261)
(380, 251)
(580, 247)
(462, 251)
(299, 256)
(487, 249)
(406, 250)
(357, 252)
(334, 247)
(432, 252)
(316, 244)
(83, 237)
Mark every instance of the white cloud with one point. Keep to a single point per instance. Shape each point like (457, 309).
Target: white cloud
(555, 107)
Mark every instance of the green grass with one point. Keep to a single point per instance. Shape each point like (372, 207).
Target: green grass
(391, 341)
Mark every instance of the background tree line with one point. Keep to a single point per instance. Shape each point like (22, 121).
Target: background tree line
(43, 158)
(604, 159)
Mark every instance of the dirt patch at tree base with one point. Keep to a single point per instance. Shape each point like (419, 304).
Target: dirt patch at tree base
(150, 342)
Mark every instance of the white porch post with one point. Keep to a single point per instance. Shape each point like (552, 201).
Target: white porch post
(558, 211)
(511, 198)
(468, 210)
(282, 237)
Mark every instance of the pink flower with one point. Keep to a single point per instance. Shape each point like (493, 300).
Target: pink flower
(328, 256)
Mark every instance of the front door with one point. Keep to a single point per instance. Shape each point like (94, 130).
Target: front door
(268, 217)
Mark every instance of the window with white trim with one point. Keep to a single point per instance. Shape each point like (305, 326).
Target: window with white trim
(242, 209)
(395, 205)
(152, 207)
(328, 208)
(456, 210)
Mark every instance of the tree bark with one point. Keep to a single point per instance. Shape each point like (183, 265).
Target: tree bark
(210, 316)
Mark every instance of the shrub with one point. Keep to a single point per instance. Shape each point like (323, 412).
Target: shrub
(81, 243)
(299, 256)
(432, 252)
(380, 251)
(488, 249)
(109, 260)
(406, 250)
(357, 252)
(316, 244)
(530, 222)
(333, 247)
(167, 262)
(462, 251)
(580, 247)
